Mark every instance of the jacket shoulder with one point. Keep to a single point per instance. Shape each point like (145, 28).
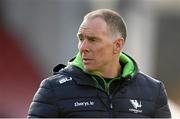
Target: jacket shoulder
(146, 80)
(56, 80)
(147, 87)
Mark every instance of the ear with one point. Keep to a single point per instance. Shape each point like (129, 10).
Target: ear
(118, 45)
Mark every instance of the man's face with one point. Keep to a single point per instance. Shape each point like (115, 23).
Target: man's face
(95, 45)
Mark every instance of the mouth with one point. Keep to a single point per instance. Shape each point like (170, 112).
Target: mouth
(87, 60)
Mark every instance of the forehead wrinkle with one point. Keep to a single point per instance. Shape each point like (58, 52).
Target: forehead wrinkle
(85, 31)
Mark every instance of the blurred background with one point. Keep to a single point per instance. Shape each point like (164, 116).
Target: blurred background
(36, 35)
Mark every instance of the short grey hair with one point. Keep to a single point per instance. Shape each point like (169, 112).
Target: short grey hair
(113, 19)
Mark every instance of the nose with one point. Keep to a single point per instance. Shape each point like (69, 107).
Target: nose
(83, 46)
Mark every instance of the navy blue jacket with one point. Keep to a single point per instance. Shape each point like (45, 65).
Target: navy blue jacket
(73, 93)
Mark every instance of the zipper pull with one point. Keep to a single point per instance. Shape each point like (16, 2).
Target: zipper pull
(110, 99)
(111, 106)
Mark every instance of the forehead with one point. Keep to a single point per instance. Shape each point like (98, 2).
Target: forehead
(93, 26)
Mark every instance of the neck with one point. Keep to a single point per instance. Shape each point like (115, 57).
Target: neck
(111, 71)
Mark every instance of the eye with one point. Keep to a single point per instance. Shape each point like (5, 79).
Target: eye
(80, 38)
(92, 39)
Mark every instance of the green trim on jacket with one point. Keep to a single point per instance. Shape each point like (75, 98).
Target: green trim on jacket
(129, 69)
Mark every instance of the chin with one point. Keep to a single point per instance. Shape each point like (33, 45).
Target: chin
(89, 69)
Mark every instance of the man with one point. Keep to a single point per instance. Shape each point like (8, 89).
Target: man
(101, 81)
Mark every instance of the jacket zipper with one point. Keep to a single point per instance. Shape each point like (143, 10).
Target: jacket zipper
(110, 107)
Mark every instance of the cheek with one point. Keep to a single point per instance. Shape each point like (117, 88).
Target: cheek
(104, 52)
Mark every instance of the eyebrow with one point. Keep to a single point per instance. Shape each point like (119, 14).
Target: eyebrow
(91, 37)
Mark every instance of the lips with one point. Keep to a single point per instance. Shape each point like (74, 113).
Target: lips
(87, 60)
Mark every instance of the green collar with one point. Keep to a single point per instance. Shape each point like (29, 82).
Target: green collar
(129, 69)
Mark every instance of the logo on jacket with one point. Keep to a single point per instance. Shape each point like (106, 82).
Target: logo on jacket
(136, 105)
(63, 80)
(84, 104)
